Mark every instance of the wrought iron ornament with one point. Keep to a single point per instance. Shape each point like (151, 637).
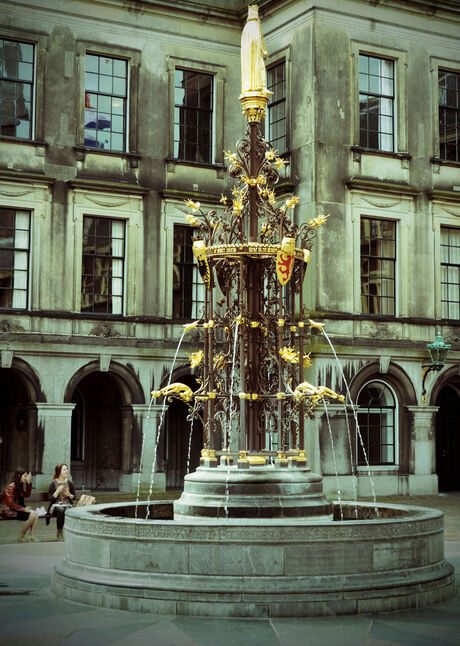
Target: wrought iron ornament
(252, 260)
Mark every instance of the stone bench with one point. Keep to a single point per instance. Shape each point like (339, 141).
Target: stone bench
(42, 497)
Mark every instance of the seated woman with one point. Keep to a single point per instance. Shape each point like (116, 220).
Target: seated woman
(61, 494)
(13, 508)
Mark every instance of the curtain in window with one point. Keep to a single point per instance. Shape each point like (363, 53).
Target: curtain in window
(117, 265)
(21, 241)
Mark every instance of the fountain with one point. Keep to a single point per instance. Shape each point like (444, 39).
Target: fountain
(253, 534)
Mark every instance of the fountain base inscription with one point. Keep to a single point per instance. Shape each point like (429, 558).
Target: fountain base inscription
(254, 567)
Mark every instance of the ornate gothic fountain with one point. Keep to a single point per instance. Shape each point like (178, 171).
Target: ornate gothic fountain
(252, 367)
(253, 534)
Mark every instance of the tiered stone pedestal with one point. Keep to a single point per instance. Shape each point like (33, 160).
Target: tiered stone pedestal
(254, 567)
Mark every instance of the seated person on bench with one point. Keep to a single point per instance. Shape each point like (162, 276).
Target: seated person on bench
(61, 494)
(13, 508)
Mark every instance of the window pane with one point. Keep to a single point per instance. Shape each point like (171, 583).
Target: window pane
(277, 107)
(376, 103)
(14, 257)
(105, 102)
(188, 289)
(102, 265)
(194, 90)
(16, 88)
(376, 418)
(378, 258)
(449, 115)
(91, 82)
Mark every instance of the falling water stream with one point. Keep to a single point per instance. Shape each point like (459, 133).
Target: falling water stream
(157, 437)
(147, 419)
(355, 416)
(339, 493)
(228, 430)
(191, 416)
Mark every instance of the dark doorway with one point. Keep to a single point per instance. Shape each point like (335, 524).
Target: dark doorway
(15, 425)
(179, 448)
(448, 439)
(96, 440)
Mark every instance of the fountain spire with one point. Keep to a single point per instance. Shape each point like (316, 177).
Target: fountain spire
(253, 259)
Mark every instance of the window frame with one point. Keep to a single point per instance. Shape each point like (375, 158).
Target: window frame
(33, 85)
(40, 43)
(457, 144)
(393, 466)
(218, 124)
(270, 67)
(199, 110)
(116, 205)
(400, 117)
(29, 253)
(438, 64)
(445, 212)
(365, 201)
(196, 281)
(133, 59)
(379, 95)
(172, 214)
(111, 258)
(449, 265)
(125, 132)
(381, 258)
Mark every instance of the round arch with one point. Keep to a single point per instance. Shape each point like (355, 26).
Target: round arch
(30, 379)
(396, 377)
(127, 381)
(403, 388)
(445, 394)
(22, 437)
(449, 377)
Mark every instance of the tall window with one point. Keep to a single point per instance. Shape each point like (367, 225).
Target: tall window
(276, 81)
(105, 102)
(188, 288)
(376, 418)
(102, 265)
(14, 257)
(376, 103)
(450, 273)
(378, 260)
(449, 115)
(16, 88)
(193, 99)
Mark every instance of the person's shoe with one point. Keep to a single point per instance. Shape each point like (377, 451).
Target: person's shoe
(33, 539)
(60, 536)
(22, 538)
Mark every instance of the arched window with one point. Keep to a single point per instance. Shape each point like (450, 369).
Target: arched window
(377, 424)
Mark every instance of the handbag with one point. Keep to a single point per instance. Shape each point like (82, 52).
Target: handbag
(85, 500)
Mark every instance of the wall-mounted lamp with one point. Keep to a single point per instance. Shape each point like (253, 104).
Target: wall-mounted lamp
(438, 351)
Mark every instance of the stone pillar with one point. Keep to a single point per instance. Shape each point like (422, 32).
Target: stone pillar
(312, 430)
(422, 478)
(54, 424)
(145, 426)
(126, 439)
(336, 418)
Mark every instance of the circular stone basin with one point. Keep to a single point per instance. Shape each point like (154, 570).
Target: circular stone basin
(255, 492)
(255, 567)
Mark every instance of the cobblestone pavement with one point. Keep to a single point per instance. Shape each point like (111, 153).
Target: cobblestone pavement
(32, 616)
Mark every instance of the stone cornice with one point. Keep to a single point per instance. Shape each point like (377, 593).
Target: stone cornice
(26, 178)
(377, 186)
(445, 195)
(106, 186)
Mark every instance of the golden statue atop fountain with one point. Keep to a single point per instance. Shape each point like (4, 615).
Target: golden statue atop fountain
(254, 94)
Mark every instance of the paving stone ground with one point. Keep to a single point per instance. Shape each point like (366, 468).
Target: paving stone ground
(32, 616)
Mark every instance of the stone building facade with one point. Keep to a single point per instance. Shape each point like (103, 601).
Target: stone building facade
(113, 113)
